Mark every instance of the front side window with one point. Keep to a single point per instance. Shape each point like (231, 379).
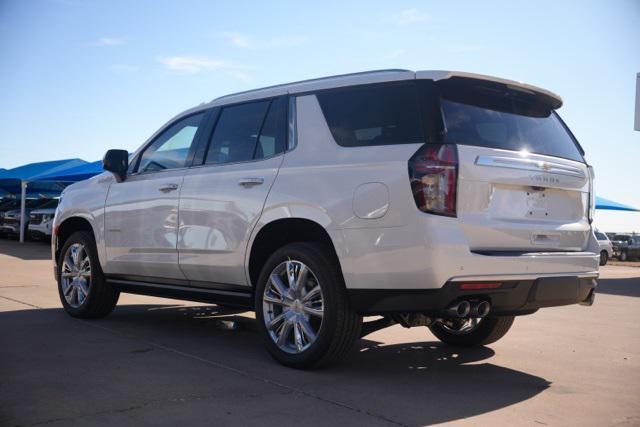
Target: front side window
(171, 148)
(369, 115)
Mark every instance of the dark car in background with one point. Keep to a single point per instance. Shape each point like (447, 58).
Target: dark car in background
(626, 246)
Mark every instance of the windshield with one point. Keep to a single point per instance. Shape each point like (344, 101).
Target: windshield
(621, 237)
(490, 115)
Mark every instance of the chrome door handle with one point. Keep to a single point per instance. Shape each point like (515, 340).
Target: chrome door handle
(168, 187)
(250, 182)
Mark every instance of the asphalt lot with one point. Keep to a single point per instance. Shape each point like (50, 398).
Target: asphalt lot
(162, 362)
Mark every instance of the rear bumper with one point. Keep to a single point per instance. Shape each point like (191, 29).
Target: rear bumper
(514, 297)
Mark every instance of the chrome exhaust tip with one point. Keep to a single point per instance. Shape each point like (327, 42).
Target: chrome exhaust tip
(460, 309)
(480, 309)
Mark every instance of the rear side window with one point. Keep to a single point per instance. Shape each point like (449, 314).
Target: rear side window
(248, 131)
(373, 115)
(491, 116)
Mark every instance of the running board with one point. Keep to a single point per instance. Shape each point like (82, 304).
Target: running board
(232, 298)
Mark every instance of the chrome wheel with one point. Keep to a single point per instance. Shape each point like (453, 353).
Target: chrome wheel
(462, 326)
(75, 275)
(293, 306)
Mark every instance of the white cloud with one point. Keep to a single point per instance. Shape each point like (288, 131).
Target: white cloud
(409, 17)
(246, 42)
(239, 40)
(109, 41)
(185, 64)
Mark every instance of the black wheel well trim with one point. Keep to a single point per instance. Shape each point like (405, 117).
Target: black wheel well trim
(274, 235)
(68, 227)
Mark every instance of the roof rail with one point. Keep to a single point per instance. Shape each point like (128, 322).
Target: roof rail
(390, 70)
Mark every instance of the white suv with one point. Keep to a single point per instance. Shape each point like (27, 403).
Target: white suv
(432, 198)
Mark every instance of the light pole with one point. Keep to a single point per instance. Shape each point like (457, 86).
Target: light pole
(23, 198)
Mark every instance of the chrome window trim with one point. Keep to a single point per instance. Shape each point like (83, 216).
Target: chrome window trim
(530, 165)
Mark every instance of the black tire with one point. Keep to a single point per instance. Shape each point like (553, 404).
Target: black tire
(341, 325)
(490, 330)
(623, 256)
(604, 257)
(102, 297)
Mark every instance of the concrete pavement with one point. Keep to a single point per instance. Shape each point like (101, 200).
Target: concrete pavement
(161, 362)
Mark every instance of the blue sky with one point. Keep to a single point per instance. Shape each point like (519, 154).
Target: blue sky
(80, 77)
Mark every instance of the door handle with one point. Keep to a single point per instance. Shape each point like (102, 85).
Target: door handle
(168, 187)
(250, 182)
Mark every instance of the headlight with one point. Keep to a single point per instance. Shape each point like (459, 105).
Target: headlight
(48, 217)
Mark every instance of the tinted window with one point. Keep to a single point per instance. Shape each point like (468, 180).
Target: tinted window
(236, 133)
(373, 114)
(170, 150)
(491, 116)
(600, 236)
(273, 135)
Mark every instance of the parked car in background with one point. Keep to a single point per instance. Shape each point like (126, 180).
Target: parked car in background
(626, 246)
(439, 199)
(11, 220)
(6, 204)
(606, 250)
(41, 221)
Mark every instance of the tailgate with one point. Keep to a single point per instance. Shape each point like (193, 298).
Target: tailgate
(508, 201)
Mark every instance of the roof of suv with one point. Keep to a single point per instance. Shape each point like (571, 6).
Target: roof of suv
(367, 77)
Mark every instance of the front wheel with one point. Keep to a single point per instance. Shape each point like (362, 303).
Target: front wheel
(623, 256)
(302, 309)
(472, 332)
(84, 293)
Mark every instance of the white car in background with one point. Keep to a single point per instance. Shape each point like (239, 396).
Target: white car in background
(41, 223)
(606, 250)
(449, 200)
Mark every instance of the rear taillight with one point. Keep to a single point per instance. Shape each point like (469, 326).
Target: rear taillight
(592, 196)
(433, 171)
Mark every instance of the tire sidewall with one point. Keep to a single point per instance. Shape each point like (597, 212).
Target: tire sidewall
(329, 282)
(96, 272)
(604, 257)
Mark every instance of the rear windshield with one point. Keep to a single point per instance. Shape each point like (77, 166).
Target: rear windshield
(489, 115)
(474, 112)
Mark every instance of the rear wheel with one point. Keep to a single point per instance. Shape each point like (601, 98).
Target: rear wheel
(604, 257)
(302, 309)
(472, 332)
(83, 291)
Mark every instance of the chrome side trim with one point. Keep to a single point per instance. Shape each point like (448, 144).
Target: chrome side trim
(530, 165)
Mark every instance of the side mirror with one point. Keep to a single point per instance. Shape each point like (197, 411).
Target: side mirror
(116, 162)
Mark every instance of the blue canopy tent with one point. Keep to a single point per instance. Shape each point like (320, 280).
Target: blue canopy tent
(74, 174)
(606, 204)
(21, 178)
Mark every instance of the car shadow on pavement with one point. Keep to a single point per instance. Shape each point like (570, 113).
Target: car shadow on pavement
(30, 250)
(158, 352)
(628, 286)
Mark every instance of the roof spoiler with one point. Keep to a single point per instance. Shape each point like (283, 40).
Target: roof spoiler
(552, 99)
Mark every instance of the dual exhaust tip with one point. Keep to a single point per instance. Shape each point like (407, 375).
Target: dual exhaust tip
(469, 309)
